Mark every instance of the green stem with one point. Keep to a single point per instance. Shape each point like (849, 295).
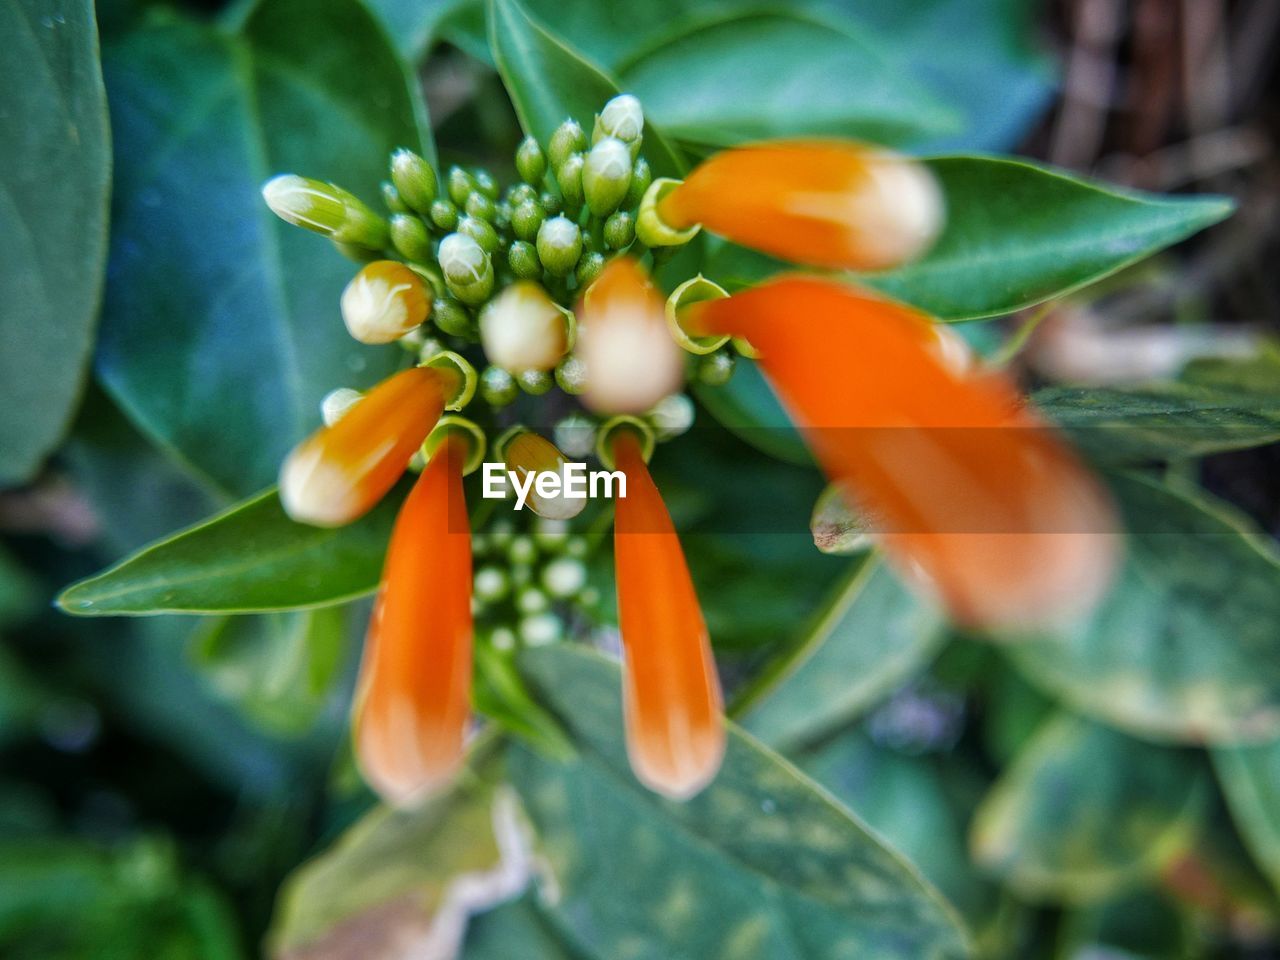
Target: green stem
(1013, 346)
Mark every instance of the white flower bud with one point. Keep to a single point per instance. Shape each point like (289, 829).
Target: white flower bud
(338, 402)
(462, 259)
(383, 302)
(564, 577)
(672, 416)
(622, 117)
(606, 174)
(523, 329)
(305, 203)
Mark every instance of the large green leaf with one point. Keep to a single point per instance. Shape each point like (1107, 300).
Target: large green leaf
(221, 331)
(761, 864)
(1016, 234)
(249, 559)
(748, 406)
(415, 25)
(1185, 647)
(1161, 421)
(754, 74)
(1250, 778)
(54, 184)
(1085, 811)
(872, 636)
(549, 81)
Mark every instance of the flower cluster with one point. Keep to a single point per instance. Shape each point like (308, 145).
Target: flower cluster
(546, 286)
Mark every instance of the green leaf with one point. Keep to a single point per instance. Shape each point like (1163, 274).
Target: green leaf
(869, 638)
(549, 81)
(279, 669)
(1161, 421)
(748, 406)
(1250, 779)
(54, 185)
(1018, 234)
(1085, 812)
(221, 331)
(387, 875)
(414, 26)
(249, 559)
(1185, 647)
(752, 75)
(761, 864)
(905, 800)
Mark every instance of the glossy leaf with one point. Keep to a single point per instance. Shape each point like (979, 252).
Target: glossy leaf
(872, 636)
(1084, 812)
(1250, 779)
(1016, 234)
(221, 331)
(54, 185)
(250, 558)
(1185, 647)
(1162, 421)
(761, 864)
(414, 26)
(549, 81)
(753, 75)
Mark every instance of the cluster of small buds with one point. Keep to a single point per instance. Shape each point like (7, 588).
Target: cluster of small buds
(530, 585)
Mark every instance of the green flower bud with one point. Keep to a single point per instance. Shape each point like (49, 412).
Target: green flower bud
(490, 584)
(619, 230)
(672, 416)
(356, 253)
(502, 217)
(606, 174)
(534, 382)
(571, 375)
(575, 435)
(569, 176)
(550, 203)
(541, 630)
(480, 206)
(589, 267)
(568, 138)
(621, 118)
(526, 219)
(715, 369)
(564, 577)
(391, 198)
(502, 639)
(523, 259)
(531, 600)
(460, 185)
(521, 193)
(497, 387)
(522, 551)
(480, 231)
(651, 229)
(444, 214)
(452, 318)
(468, 271)
(325, 209)
(531, 162)
(641, 177)
(578, 547)
(559, 245)
(502, 533)
(414, 179)
(485, 183)
(409, 237)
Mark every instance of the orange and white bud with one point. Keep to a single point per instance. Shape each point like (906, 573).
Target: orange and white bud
(974, 498)
(383, 302)
(832, 203)
(631, 360)
(671, 695)
(339, 472)
(524, 329)
(413, 697)
(524, 453)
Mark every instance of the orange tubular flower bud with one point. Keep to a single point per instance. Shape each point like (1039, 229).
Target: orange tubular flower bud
(340, 471)
(413, 697)
(971, 494)
(833, 204)
(672, 701)
(631, 361)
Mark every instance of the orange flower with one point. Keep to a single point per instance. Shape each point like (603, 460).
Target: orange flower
(830, 204)
(672, 701)
(631, 360)
(972, 494)
(413, 697)
(339, 472)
